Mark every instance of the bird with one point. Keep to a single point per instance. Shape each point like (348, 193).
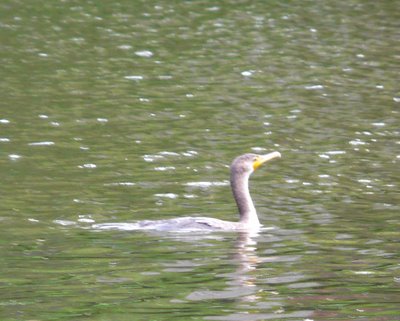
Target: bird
(241, 169)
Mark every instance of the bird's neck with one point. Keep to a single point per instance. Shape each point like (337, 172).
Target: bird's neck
(240, 189)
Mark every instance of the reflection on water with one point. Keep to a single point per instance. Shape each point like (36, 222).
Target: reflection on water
(243, 286)
(133, 111)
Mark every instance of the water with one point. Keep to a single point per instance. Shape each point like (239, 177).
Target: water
(127, 111)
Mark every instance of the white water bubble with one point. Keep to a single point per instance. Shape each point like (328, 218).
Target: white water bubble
(14, 156)
(165, 77)
(86, 220)
(120, 184)
(125, 47)
(189, 153)
(207, 184)
(134, 77)
(336, 152)
(363, 272)
(144, 53)
(64, 222)
(164, 168)
(189, 196)
(167, 153)
(314, 87)
(356, 142)
(41, 144)
(167, 195)
(87, 166)
(151, 158)
(247, 73)
(215, 8)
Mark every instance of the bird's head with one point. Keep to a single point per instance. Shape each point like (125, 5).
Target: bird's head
(248, 163)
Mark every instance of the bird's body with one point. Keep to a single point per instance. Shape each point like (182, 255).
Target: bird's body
(187, 224)
(241, 169)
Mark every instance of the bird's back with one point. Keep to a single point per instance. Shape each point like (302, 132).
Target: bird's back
(188, 224)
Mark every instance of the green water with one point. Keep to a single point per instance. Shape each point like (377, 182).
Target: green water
(130, 110)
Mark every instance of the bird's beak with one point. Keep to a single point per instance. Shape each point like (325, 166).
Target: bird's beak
(261, 159)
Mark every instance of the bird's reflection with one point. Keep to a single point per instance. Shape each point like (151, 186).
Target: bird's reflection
(241, 283)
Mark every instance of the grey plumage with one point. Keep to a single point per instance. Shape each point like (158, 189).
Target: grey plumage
(241, 169)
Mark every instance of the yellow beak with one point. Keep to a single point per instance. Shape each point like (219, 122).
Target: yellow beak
(261, 159)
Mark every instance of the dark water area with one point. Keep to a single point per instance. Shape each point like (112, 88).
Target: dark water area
(125, 111)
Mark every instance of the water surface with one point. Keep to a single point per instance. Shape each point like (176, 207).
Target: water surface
(127, 111)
